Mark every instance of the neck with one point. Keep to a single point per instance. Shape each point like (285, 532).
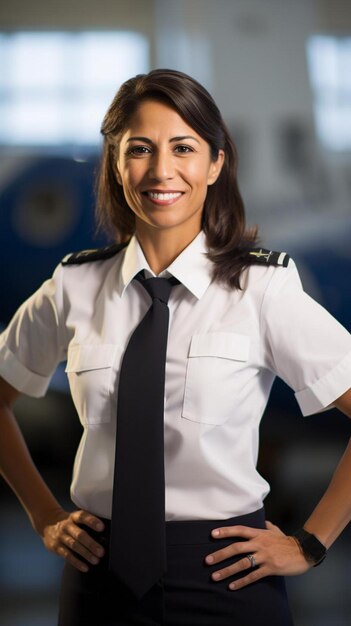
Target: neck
(161, 247)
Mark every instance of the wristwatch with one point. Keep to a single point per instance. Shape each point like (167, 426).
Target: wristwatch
(311, 547)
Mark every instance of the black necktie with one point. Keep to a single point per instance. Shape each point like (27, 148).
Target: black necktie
(137, 543)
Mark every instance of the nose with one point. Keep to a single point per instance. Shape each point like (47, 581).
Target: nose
(161, 166)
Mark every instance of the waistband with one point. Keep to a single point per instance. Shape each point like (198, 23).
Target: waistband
(199, 531)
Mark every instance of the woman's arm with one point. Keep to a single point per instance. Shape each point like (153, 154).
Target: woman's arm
(278, 554)
(333, 512)
(58, 528)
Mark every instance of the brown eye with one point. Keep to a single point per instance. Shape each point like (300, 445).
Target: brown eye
(183, 149)
(139, 150)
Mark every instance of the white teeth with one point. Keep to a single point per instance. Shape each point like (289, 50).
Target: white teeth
(163, 196)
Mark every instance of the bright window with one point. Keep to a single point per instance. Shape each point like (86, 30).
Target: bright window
(55, 87)
(329, 62)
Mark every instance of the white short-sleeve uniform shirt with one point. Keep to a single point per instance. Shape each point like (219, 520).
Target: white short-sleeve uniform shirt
(225, 348)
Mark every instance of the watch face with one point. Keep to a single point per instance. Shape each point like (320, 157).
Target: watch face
(312, 548)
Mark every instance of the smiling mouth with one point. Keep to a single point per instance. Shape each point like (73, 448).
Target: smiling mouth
(163, 196)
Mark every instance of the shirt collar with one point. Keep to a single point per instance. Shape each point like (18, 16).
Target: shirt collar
(192, 267)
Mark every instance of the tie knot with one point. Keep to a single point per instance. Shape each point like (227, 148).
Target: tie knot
(158, 288)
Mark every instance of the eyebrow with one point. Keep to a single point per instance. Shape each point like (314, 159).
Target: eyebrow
(173, 139)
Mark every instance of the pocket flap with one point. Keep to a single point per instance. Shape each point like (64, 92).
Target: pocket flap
(86, 357)
(232, 346)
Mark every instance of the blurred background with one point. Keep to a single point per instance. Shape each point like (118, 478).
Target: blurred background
(281, 73)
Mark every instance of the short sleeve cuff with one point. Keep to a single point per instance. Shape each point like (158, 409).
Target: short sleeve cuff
(20, 377)
(327, 389)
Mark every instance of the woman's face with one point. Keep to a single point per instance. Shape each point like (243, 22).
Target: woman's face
(165, 167)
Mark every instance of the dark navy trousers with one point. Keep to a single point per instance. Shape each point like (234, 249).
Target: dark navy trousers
(186, 596)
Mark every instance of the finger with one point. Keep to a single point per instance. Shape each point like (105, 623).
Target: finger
(234, 568)
(234, 549)
(83, 539)
(246, 532)
(83, 517)
(72, 559)
(253, 577)
(76, 547)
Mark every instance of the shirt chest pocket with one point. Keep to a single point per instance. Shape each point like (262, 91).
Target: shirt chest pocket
(90, 374)
(212, 383)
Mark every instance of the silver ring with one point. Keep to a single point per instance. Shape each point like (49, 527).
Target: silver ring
(252, 560)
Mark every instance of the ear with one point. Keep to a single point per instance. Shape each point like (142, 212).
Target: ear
(215, 168)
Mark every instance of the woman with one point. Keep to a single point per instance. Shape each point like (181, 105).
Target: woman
(238, 317)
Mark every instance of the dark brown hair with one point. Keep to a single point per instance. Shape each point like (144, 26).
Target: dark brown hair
(224, 215)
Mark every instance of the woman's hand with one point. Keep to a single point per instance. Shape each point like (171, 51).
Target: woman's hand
(65, 537)
(274, 554)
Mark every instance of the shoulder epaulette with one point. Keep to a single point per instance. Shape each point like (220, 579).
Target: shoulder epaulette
(88, 256)
(269, 257)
